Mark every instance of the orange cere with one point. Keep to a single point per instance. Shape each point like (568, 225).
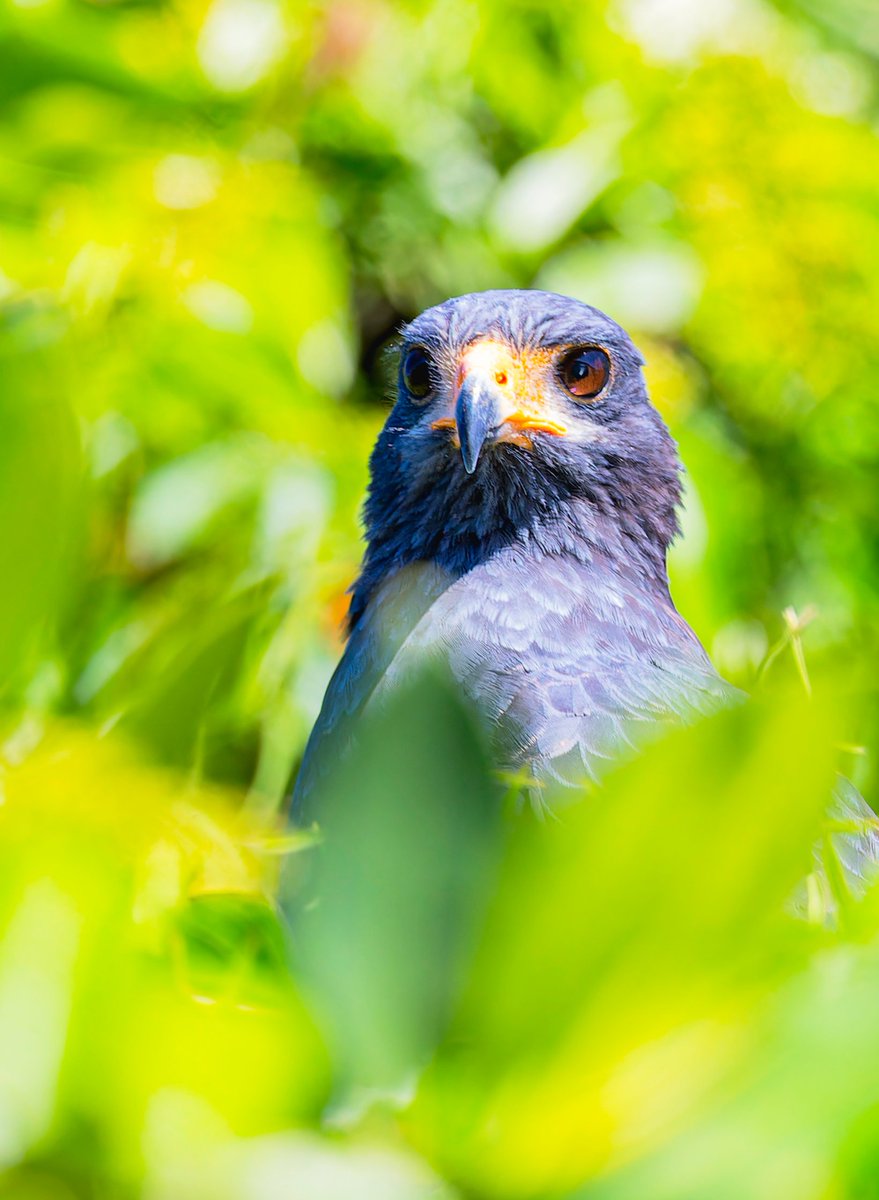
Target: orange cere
(521, 376)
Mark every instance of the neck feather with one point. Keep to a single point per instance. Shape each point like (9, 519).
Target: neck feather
(621, 513)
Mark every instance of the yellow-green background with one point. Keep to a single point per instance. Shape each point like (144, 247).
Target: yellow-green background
(212, 219)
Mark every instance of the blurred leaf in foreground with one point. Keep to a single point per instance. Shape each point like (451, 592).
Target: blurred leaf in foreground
(139, 955)
(627, 950)
(40, 493)
(384, 925)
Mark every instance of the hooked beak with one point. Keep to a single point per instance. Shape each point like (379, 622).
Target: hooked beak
(497, 400)
(478, 416)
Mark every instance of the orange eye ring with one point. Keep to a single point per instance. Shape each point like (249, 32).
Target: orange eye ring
(585, 372)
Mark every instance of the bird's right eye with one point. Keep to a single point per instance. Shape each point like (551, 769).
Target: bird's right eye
(418, 373)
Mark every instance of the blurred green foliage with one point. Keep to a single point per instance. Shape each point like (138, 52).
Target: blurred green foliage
(213, 217)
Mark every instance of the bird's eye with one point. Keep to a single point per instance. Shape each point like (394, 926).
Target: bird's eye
(418, 373)
(585, 372)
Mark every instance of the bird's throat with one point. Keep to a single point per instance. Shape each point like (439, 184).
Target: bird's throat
(445, 516)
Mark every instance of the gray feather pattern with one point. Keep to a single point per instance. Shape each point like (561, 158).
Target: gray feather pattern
(556, 658)
(540, 577)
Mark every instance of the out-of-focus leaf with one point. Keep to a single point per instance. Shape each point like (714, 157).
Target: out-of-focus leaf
(800, 1101)
(140, 954)
(384, 924)
(617, 997)
(266, 1168)
(176, 506)
(37, 956)
(40, 494)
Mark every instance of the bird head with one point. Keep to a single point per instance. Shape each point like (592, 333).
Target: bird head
(518, 413)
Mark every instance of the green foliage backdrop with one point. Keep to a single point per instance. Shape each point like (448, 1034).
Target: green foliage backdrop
(213, 216)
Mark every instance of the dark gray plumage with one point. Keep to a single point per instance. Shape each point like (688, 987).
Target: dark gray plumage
(536, 567)
(518, 530)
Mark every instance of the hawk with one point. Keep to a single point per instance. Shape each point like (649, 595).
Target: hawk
(523, 495)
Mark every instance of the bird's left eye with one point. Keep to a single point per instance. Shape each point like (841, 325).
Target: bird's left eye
(418, 373)
(585, 372)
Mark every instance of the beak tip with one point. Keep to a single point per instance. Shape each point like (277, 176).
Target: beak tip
(476, 417)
